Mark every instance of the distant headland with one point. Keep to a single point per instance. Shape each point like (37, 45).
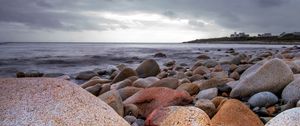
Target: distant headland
(243, 38)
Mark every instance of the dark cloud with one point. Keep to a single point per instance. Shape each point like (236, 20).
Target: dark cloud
(68, 15)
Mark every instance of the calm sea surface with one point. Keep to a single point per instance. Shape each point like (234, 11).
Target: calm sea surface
(70, 58)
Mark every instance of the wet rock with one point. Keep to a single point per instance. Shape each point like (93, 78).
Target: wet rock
(166, 82)
(293, 66)
(128, 91)
(218, 68)
(196, 77)
(130, 119)
(197, 64)
(114, 100)
(50, 101)
(170, 63)
(218, 101)
(160, 54)
(235, 75)
(273, 76)
(180, 75)
(86, 75)
(95, 90)
(189, 87)
(210, 63)
(53, 74)
(178, 116)
(207, 106)
(131, 109)
(151, 98)
(207, 94)
(148, 68)
(219, 75)
(235, 113)
(93, 82)
(263, 99)
(139, 122)
(184, 80)
(291, 91)
(121, 84)
(162, 74)
(211, 83)
(231, 50)
(145, 82)
(125, 73)
(287, 118)
(104, 88)
(201, 70)
(241, 68)
(203, 57)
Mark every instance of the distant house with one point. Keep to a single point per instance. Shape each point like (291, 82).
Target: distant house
(293, 34)
(237, 35)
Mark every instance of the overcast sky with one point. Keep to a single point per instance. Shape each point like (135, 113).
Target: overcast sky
(142, 20)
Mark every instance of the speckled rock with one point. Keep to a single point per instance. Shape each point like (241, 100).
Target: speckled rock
(151, 98)
(291, 91)
(235, 113)
(114, 100)
(166, 82)
(125, 73)
(178, 116)
(104, 88)
(145, 82)
(273, 76)
(207, 106)
(148, 68)
(207, 94)
(131, 109)
(287, 118)
(45, 101)
(201, 70)
(189, 87)
(263, 99)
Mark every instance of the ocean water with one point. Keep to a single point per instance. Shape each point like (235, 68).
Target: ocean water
(71, 58)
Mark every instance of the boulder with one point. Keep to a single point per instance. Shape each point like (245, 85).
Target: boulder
(207, 106)
(166, 82)
(218, 101)
(235, 113)
(189, 87)
(210, 63)
(160, 54)
(286, 118)
(114, 100)
(93, 82)
(148, 68)
(235, 75)
(104, 88)
(272, 75)
(49, 101)
(211, 83)
(86, 75)
(207, 94)
(178, 116)
(131, 109)
(203, 57)
(151, 98)
(145, 82)
(263, 99)
(125, 73)
(291, 91)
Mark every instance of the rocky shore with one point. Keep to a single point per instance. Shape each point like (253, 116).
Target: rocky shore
(238, 89)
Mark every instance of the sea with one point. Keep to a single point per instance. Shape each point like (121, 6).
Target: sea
(71, 58)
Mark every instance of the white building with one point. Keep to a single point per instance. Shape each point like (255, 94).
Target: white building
(241, 34)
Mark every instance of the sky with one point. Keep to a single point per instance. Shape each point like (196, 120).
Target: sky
(142, 20)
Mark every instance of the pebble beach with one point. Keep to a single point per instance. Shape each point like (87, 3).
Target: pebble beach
(162, 87)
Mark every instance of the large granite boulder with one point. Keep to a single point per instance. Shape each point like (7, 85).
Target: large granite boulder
(151, 98)
(45, 101)
(235, 113)
(178, 116)
(286, 118)
(272, 75)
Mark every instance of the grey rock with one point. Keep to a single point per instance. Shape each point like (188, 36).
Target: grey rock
(292, 91)
(263, 99)
(287, 118)
(207, 94)
(148, 68)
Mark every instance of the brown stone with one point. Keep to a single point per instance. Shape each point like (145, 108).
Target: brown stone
(189, 87)
(114, 100)
(148, 68)
(166, 82)
(235, 113)
(125, 73)
(201, 70)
